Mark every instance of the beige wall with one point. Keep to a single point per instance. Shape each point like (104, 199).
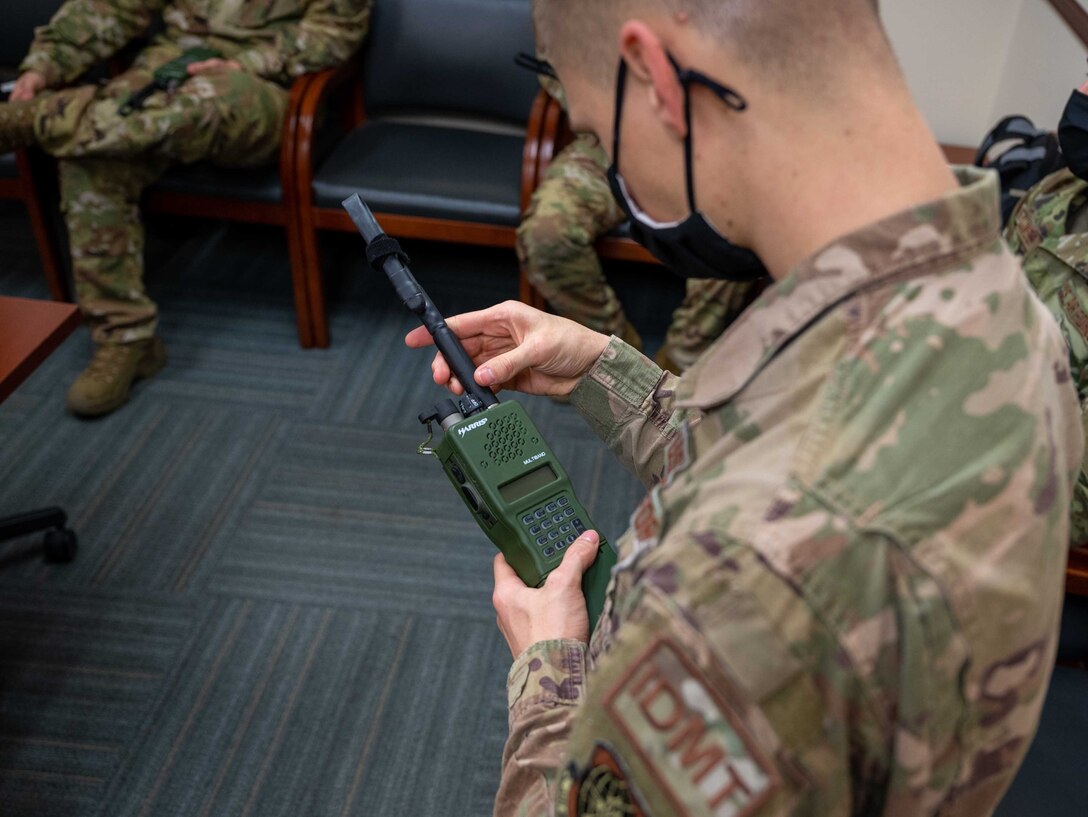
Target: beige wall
(971, 62)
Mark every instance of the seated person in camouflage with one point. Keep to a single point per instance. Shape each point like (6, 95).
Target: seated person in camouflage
(841, 593)
(1049, 228)
(230, 112)
(569, 211)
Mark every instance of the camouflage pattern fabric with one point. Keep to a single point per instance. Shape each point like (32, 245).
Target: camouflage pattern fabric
(709, 307)
(273, 39)
(1043, 230)
(230, 118)
(842, 592)
(569, 211)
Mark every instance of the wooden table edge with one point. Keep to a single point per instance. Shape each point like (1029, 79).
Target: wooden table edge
(42, 351)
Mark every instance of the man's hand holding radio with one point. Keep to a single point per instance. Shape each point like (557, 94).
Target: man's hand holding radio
(528, 615)
(520, 348)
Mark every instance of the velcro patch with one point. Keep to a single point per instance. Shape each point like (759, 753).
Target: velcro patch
(646, 523)
(1073, 310)
(602, 790)
(1030, 235)
(678, 454)
(688, 737)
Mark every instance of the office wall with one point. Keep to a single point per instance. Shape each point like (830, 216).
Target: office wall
(1046, 62)
(970, 62)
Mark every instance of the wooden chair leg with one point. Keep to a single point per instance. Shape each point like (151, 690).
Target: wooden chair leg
(303, 312)
(314, 282)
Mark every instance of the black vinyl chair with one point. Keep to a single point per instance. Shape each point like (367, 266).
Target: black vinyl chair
(438, 132)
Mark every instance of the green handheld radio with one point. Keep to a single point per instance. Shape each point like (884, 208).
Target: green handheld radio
(506, 474)
(167, 77)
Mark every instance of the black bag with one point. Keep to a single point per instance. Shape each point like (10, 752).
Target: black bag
(1022, 154)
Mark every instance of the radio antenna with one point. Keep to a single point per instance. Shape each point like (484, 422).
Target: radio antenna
(385, 255)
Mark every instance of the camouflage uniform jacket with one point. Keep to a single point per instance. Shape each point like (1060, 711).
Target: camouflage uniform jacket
(842, 592)
(1056, 262)
(274, 40)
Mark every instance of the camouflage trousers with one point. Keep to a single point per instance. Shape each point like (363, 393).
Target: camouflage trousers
(232, 119)
(570, 210)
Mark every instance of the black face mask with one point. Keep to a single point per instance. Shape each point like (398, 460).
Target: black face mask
(1073, 134)
(691, 248)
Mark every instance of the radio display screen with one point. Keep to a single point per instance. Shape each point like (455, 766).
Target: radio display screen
(524, 485)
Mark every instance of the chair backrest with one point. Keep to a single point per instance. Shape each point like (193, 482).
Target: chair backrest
(452, 56)
(18, 19)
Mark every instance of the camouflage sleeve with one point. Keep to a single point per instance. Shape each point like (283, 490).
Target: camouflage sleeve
(543, 687)
(628, 402)
(83, 33)
(697, 711)
(327, 35)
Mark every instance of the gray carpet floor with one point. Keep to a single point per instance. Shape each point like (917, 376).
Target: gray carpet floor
(278, 607)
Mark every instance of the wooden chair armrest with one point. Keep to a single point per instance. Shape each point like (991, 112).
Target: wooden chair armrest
(320, 89)
(1076, 575)
(548, 133)
(530, 154)
(289, 140)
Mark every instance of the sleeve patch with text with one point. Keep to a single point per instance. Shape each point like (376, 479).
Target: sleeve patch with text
(689, 739)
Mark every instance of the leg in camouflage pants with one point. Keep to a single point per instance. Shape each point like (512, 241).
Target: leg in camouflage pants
(231, 118)
(570, 210)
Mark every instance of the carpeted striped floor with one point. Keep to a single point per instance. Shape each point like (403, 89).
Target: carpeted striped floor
(278, 607)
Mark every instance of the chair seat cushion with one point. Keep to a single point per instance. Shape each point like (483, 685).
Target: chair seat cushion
(260, 185)
(426, 170)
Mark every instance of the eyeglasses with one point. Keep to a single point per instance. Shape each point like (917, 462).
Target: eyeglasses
(537, 66)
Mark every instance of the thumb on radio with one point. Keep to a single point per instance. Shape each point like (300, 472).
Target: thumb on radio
(556, 611)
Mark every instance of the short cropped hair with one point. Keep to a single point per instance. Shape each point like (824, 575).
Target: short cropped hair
(788, 41)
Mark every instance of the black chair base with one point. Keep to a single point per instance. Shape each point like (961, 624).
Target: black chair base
(59, 543)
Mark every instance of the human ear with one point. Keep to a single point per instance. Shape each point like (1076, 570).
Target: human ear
(649, 65)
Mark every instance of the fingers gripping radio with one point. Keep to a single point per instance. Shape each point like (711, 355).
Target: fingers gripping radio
(508, 477)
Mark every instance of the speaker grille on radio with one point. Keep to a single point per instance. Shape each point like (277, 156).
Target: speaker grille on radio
(506, 440)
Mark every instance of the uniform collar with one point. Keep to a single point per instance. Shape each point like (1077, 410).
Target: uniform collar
(913, 242)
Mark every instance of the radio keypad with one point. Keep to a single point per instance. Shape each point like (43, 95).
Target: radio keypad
(554, 525)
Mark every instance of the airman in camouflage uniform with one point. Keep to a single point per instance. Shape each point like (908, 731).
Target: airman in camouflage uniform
(1049, 228)
(231, 117)
(841, 594)
(569, 211)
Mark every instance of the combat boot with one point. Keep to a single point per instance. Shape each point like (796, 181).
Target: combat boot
(107, 381)
(17, 125)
